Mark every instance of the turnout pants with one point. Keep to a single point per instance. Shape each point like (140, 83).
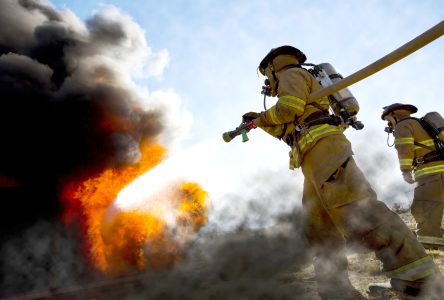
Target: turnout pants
(427, 209)
(343, 206)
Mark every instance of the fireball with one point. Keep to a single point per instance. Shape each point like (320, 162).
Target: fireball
(121, 239)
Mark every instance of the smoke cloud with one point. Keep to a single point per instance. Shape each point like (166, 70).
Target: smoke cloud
(243, 264)
(382, 171)
(69, 105)
(69, 109)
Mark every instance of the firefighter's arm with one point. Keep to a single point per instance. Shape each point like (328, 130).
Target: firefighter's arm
(405, 144)
(293, 93)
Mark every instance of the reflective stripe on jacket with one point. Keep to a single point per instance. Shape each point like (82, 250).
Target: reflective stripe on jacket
(430, 168)
(308, 139)
(292, 108)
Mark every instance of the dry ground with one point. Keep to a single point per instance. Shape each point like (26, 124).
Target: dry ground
(364, 269)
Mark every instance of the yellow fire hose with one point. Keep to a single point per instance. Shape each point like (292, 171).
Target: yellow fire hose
(382, 63)
(403, 51)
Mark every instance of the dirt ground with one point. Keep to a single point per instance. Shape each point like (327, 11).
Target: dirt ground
(364, 269)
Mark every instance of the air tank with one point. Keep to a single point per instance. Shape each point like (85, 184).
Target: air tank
(343, 99)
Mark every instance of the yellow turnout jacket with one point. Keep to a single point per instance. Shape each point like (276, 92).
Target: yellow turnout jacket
(291, 110)
(412, 142)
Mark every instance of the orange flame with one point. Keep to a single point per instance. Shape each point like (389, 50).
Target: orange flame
(193, 206)
(132, 239)
(126, 237)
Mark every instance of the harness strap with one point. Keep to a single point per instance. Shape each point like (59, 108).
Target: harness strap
(289, 67)
(324, 120)
(284, 131)
(434, 154)
(423, 146)
(429, 157)
(316, 118)
(318, 106)
(432, 132)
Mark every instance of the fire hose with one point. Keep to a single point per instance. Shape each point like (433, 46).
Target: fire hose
(412, 46)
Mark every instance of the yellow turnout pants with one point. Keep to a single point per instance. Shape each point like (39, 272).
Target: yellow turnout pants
(341, 205)
(427, 208)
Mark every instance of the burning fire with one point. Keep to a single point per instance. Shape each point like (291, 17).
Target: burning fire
(134, 239)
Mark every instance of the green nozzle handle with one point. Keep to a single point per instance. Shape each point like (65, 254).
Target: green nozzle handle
(244, 136)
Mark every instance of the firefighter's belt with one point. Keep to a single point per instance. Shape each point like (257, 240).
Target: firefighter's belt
(429, 157)
(316, 118)
(324, 120)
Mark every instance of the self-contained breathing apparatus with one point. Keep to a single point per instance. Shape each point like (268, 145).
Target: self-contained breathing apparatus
(343, 105)
(433, 124)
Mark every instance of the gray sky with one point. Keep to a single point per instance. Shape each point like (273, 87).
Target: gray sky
(203, 66)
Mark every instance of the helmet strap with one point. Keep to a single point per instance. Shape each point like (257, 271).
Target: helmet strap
(392, 114)
(273, 72)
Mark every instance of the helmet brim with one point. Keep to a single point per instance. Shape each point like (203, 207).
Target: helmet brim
(300, 56)
(398, 106)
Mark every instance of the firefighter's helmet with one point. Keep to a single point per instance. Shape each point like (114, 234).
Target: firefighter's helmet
(397, 106)
(282, 50)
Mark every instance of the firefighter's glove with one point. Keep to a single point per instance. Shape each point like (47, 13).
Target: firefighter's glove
(407, 175)
(253, 123)
(250, 116)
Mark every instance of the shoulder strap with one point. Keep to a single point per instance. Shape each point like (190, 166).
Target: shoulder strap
(284, 131)
(289, 67)
(423, 146)
(432, 132)
(317, 105)
(409, 118)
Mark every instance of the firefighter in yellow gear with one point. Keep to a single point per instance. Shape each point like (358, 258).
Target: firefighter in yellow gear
(419, 163)
(339, 202)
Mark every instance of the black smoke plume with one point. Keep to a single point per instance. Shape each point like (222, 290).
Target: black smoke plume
(66, 108)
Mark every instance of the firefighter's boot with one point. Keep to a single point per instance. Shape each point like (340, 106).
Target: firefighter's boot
(430, 288)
